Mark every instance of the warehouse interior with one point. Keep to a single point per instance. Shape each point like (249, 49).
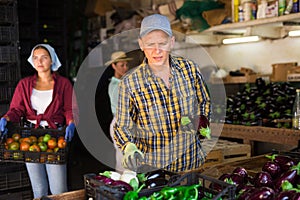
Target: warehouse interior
(81, 29)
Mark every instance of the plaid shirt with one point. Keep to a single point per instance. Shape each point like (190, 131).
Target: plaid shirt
(149, 114)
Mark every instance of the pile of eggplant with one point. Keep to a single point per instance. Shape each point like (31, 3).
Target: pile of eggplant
(278, 180)
(261, 104)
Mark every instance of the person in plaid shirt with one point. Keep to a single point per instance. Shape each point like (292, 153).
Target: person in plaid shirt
(158, 103)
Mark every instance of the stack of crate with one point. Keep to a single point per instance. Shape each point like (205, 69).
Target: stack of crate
(220, 151)
(14, 181)
(9, 52)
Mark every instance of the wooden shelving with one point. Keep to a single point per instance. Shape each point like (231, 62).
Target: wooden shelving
(257, 133)
(267, 28)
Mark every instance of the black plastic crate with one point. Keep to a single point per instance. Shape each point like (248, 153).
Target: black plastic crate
(25, 194)
(7, 33)
(217, 188)
(6, 93)
(8, 54)
(56, 157)
(95, 189)
(6, 14)
(7, 167)
(99, 191)
(14, 180)
(9, 72)
(3, 108)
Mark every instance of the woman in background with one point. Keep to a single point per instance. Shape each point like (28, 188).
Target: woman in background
(45, 101)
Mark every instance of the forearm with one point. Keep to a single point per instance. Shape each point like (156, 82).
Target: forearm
(13, 115)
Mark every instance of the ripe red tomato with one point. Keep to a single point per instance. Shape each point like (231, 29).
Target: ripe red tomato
(24, 146)
(52, 143)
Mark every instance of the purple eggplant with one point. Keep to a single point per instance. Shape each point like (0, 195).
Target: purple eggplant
(225, 178)
(296, 196)
(156, 182)
(290, 176)
(237, 179)
(263, 193)
(245, 193)
(272, 168)
(241, 171)
(285, 162)
(122, 186)
(100, 177)
(244, 188)
(160, 173)
(155, 174)
(250, 179)
(285, 195)
(263, 179)
(104, 179)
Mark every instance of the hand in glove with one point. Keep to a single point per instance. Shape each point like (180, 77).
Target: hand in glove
(133, 157)
(70, 132)
(3, 129)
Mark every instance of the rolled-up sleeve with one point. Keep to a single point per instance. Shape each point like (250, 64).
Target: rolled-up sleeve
(124, 125)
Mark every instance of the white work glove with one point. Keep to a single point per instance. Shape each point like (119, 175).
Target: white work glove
(132, 158)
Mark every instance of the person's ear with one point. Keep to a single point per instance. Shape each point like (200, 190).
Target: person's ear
(172, 41)
(141, 44)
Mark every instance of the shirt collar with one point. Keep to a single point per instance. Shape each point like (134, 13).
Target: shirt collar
(34, 78)
(174, 64)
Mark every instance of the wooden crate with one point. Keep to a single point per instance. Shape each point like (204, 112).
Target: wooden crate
(225, 151)
(72, 195)
(213, 157)
(252, 165)
(233, 151)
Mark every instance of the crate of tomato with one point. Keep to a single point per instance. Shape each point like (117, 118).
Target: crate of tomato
(34, 145)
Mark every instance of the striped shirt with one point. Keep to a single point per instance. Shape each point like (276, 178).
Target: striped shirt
(149, 114)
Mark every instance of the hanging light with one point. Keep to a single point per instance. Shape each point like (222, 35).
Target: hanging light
(294, 33)
(241, 39)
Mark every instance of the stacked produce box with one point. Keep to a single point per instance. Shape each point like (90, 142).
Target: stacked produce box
(9, 52)
(14, 182)
(263, 104)
(272, 176)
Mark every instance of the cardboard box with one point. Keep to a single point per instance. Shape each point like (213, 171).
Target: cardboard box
(97, 7)
(280, 70)
(293, 75)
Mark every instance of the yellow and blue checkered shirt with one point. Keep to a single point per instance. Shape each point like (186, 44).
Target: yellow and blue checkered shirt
(149, 114)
